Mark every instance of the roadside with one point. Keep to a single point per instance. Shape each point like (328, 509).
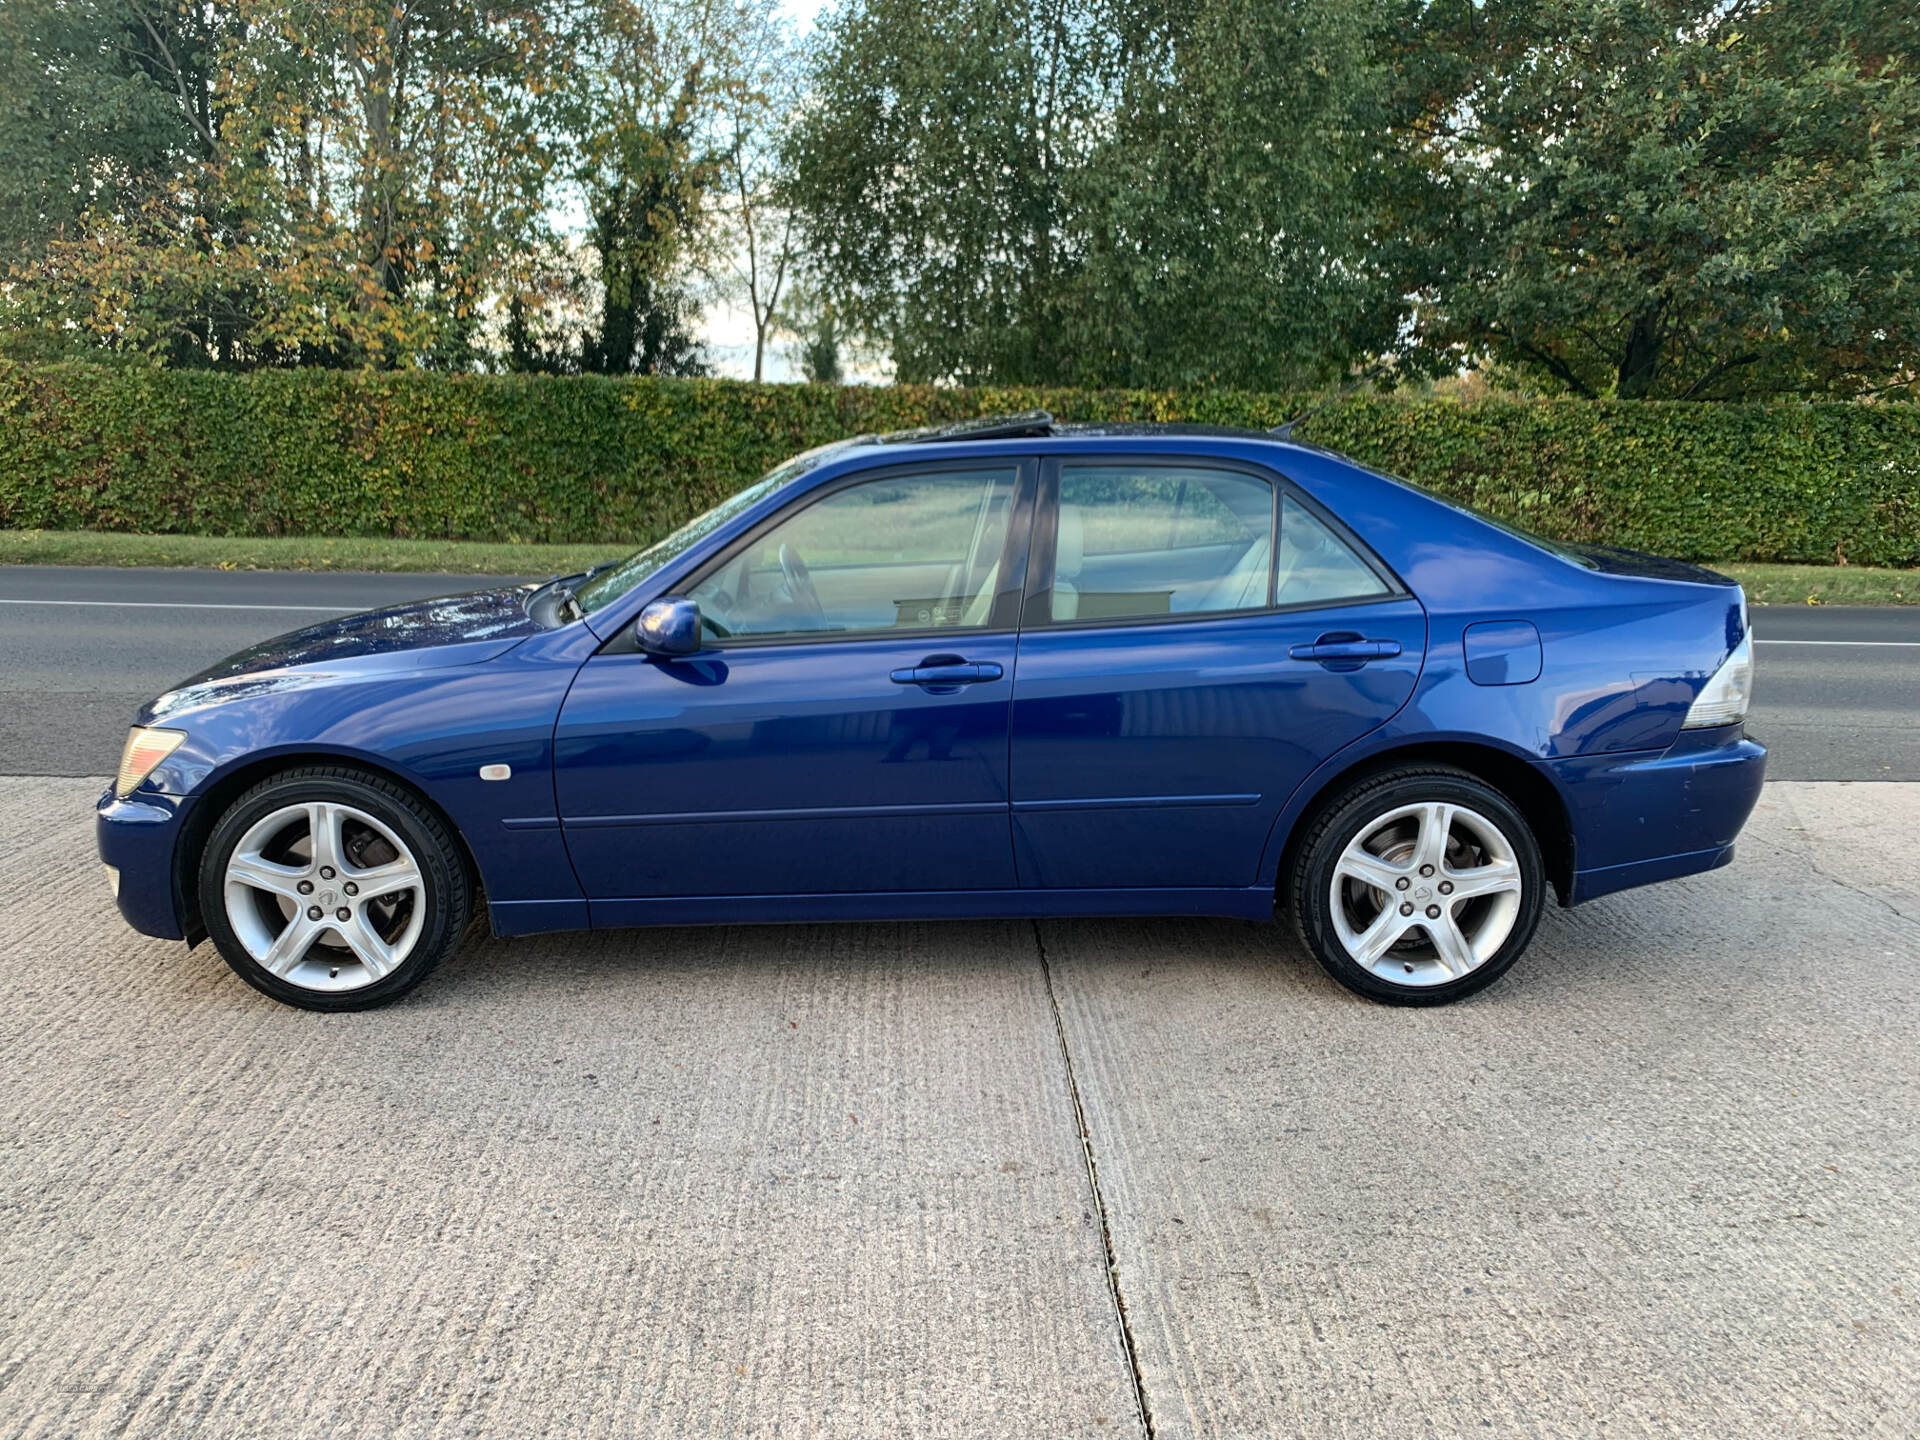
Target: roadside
(1765, 584)
(1825, 584)
(343, 553)
(82, 647)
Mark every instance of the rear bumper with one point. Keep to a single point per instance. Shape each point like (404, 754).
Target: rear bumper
(1591, 884)
(1650, 816)
(138, 839)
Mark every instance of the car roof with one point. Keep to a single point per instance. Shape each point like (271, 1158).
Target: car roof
(1038, 427)
(1040, 424)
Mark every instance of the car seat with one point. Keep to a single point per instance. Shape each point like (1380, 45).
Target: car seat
(1069, 553)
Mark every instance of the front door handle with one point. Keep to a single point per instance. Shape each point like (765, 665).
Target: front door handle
(1346, 647)
(948, 670)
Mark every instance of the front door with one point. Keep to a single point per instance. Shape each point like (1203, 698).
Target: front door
(846, 728)
(1197, 640)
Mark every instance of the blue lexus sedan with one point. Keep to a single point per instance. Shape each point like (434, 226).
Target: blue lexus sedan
(1010, 668)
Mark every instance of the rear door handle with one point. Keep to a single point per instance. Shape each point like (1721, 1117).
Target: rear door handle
(1330, 647)
(947, 670)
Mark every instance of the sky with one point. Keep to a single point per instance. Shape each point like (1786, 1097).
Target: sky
(727, 330)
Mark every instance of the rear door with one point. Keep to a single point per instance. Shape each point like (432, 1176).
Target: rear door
(1198, 637)
(846, 728)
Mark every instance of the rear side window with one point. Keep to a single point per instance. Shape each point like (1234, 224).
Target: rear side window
(1315, 566)
(1135, 541)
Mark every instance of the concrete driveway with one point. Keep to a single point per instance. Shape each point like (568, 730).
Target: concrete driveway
(1663, 1180)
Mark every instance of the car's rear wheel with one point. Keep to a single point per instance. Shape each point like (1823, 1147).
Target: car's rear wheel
(1418, 885)
(331, 889)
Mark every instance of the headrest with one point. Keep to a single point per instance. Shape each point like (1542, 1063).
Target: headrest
(1070, 547)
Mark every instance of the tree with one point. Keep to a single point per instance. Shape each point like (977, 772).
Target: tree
(352, 174)
(102, 104)
(643, 87)
(928, 166)
(1099, 191)
(84, 117)
(645, 205)
(760, 238)
(1671, 198)
(1228, 206)
(819, 341)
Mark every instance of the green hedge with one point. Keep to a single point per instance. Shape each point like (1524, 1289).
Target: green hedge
(587, 459)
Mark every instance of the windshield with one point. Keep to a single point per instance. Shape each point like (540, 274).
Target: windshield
(610, 584)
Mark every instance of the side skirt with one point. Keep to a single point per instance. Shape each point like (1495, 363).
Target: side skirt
(536, 917)
(1255, 903)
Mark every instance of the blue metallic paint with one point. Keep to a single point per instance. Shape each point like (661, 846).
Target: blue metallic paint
(669, 627)
(449, 630)
(1119, 768)
(1502, 652)
(787, 768)
(1159, 755)
(137, 838)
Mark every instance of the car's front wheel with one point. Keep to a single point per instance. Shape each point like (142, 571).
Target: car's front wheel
(332, 889)
(1418, 885)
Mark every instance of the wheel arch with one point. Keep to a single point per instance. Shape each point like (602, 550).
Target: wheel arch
(1532, 792)
(221, 790)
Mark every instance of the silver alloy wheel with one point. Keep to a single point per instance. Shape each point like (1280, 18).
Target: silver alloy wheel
(324, 896)
(1426, 894)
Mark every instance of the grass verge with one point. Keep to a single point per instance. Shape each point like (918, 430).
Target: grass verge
(1825, 584)
(1766, 584)
(218, 552)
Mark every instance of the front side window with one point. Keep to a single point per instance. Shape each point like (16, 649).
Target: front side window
(610, 583)
(1135, 541)
(906, 552)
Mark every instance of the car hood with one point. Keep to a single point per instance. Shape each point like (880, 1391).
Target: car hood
(423, 635)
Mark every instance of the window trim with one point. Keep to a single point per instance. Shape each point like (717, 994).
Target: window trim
(1036, 613)
(1002, 619)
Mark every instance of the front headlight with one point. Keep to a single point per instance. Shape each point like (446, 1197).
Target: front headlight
(1725, 699)
(145, 749)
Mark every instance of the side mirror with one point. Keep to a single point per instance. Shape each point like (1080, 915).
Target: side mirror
(670, 626)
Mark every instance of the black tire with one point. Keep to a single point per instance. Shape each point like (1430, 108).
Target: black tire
(1359, 809)
(443, 898)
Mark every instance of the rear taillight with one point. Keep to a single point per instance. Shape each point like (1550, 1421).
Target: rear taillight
(1726, 696)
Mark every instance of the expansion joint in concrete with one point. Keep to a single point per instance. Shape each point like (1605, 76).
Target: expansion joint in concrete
(1123, 1328)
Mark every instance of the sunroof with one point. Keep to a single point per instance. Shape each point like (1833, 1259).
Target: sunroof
(988, 427)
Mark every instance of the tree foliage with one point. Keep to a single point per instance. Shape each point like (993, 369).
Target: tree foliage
(1703, 199)
(1681, 198)
(1097, 191)
(1637, 198)
(362, 182)
(85, 115)
(344, 177)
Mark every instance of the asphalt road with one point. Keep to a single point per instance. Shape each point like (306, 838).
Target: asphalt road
(1147, 1180)
(1837, 695)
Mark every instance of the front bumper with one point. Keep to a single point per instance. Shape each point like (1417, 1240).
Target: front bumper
(1649, 816)
(139, 838)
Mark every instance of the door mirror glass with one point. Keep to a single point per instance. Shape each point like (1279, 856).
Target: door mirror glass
(670, 626)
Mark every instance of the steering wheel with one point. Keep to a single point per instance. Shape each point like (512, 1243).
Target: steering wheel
(800, 583)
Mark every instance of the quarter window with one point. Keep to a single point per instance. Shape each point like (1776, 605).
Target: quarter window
(914, 552)
(1135, 541)
(1315, 566)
